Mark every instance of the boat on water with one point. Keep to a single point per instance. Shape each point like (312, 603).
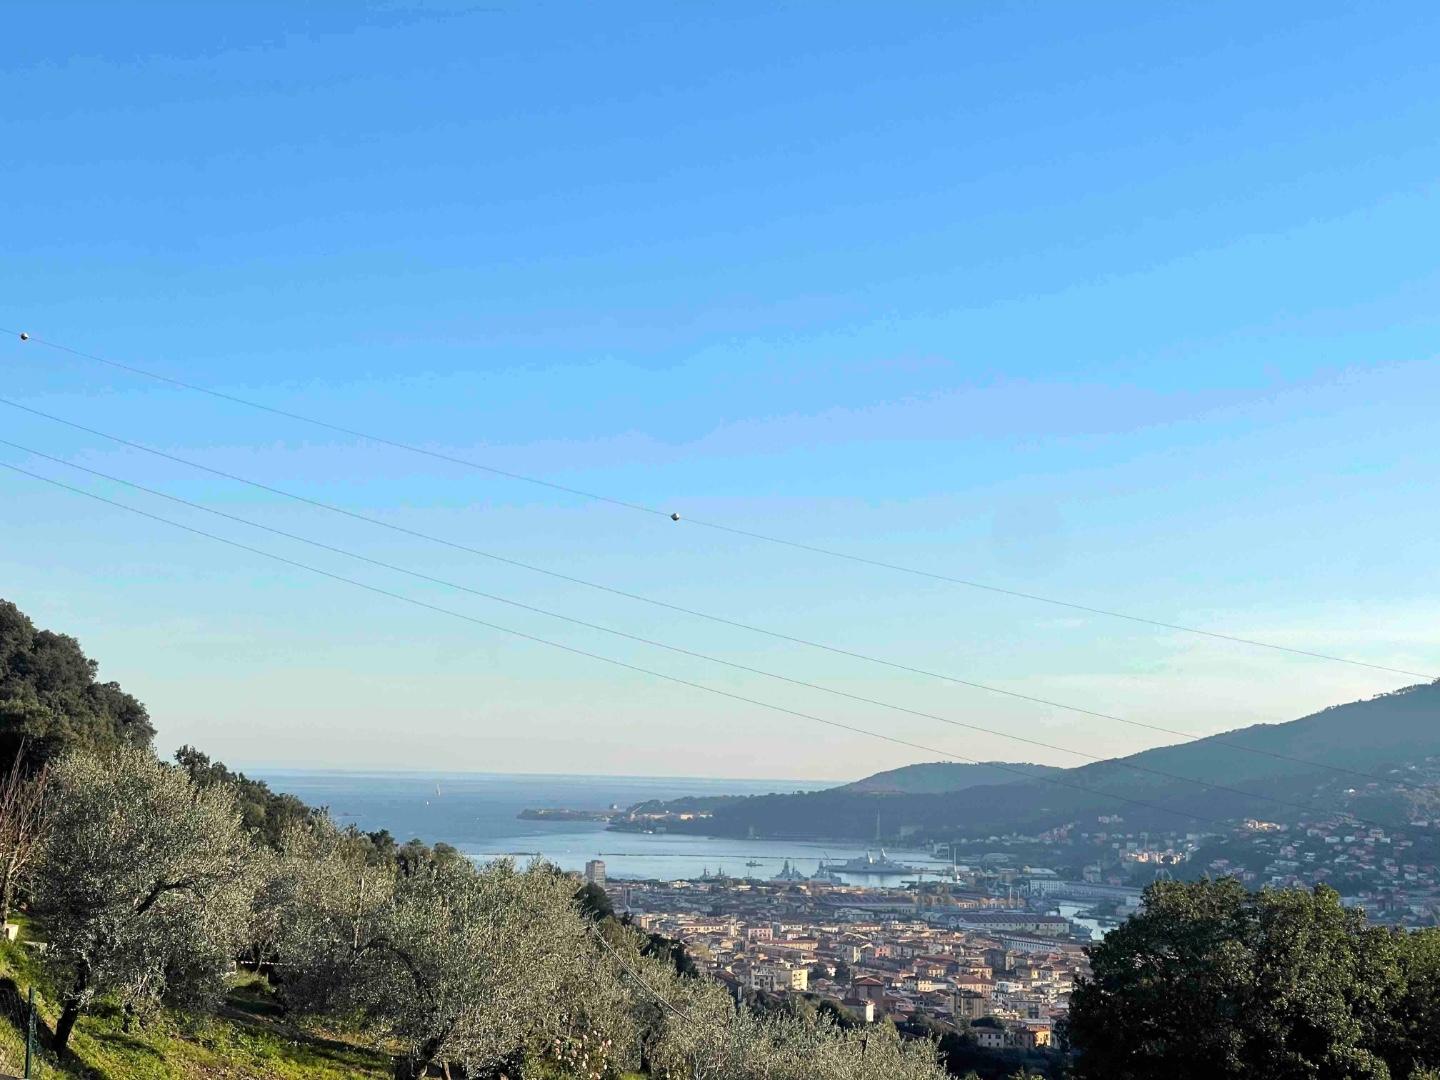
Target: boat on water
(789, 874)
(752, 862)
(869, 864)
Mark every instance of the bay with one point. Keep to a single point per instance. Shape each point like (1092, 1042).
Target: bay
(477, 813)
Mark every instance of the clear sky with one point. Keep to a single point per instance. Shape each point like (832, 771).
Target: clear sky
(1129, 304)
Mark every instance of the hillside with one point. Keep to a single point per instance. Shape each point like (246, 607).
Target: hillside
(247, 1038)
(50, 699)
(156, 882)
(811, 813)
(938, 777)
(1291, 762)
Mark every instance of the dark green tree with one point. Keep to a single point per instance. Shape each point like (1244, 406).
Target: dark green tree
(415, 856)
(50, 701)
(673, 952)
(383, 848)
(1210, 981)
(1415, 1020)
(840, 1014)
(268, 814)
(594, 902)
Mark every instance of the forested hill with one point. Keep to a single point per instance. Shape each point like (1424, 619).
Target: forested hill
(938, 777)
(50, 699)
(927, 778)
(1293, 762)
(51, 702)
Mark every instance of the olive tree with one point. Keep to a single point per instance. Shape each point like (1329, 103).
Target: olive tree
(477, 967)
(143, 886)
(739, 1044)
(319, 901)
(692, 1029)
(458, 965)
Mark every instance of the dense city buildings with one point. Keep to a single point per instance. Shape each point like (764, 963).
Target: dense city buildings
(952, 954)
(996, 944)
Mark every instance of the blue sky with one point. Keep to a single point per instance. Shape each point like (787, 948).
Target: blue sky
(1133, 305)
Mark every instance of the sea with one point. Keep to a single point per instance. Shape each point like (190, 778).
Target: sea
(478, 814)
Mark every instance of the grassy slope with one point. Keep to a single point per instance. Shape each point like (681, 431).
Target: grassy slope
(246, 1040)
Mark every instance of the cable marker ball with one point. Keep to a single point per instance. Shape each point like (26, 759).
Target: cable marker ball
(24, 336)
(674, 517)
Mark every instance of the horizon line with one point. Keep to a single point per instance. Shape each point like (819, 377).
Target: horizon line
(255, 770)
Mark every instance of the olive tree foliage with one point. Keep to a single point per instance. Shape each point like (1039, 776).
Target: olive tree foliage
(691, 1029)
(317, 900)
(144, 884)
(744, 1045)
(475, 967)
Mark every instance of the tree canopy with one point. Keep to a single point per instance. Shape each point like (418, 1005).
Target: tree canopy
(268, 814)
(144, 885)
(50, 700)
(1210, 981)
(457, 964)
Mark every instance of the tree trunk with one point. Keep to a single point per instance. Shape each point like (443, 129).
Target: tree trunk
(69, 1013)
(7, 894)
(414, 1066)
(70, 1007)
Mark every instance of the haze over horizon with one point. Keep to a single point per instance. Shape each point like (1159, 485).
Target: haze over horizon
(1131, 307)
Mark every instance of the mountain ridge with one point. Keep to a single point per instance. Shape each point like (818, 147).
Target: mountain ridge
(939, 777)
(1263, 770)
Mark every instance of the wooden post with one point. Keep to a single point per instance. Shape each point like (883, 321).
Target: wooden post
(30, 1034)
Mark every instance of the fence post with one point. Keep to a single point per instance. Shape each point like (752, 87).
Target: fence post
(30, 1033)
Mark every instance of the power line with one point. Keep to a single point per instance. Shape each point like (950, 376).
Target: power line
(820, 687)
(721, 620)
(394, 444)
(677, 680)
(625, 967)
(1233, 638)
(813, 549)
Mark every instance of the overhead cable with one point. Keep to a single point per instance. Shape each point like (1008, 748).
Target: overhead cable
(721, 620)
(654, 643)
(674, 516)
(675, 679)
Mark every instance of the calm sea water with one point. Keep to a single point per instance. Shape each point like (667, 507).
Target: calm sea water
(476, 812)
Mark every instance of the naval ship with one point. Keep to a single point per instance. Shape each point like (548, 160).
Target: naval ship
(869, 864)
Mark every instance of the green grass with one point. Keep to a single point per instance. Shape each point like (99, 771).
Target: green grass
(246, 1039)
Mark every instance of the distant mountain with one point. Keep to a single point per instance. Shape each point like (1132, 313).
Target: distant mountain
(1267, 771)
(938, 777)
